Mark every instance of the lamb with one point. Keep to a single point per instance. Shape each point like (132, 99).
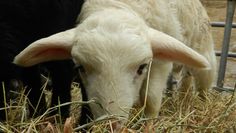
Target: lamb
(23, 22)
(115, 42)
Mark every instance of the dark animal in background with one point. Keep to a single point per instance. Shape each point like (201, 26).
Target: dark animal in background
(21, 23)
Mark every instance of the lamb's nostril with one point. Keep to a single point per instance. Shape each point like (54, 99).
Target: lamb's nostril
(116, 126)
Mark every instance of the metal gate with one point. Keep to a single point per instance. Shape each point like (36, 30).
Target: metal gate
(224, 54)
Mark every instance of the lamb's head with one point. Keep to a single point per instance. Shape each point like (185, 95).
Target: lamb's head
(114, 66)
(115, 61)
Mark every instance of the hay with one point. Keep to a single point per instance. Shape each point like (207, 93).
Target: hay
(190, 114)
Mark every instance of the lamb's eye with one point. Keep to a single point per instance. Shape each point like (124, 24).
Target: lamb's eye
(141, 69)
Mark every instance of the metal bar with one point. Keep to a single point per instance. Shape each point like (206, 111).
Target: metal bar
(225, 48)
(230, 54)
(221, 24)
(226, 89)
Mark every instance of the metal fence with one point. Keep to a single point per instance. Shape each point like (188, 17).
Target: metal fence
(224, 54)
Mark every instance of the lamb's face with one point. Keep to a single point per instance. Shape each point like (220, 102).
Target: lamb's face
(115, 67)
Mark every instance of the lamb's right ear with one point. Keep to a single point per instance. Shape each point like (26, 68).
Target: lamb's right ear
(55, 47)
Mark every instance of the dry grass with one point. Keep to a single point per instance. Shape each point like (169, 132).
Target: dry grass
(189, 114)
(192, 114)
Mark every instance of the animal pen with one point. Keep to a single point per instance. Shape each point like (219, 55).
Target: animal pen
(231, 4)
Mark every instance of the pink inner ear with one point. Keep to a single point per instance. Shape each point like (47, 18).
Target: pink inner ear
(166, 53)
(35, 56)
(185, 57)
(173, 56)
(164, 56)
(55, 53)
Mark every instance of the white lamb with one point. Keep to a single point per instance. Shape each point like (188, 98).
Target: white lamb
(115, 42)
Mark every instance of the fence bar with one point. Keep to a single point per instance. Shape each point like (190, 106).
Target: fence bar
(221, 24)
(225, 48)
(230, 54)
(225, 89)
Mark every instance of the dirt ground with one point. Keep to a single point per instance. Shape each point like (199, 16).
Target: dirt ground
(217, 11)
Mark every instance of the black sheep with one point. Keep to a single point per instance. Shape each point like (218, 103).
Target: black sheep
(21, 23)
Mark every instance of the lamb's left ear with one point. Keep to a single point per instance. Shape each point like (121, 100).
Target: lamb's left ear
(166, 47)
(55, 47)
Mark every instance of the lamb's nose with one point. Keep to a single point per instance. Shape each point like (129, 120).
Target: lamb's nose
(116, 127)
